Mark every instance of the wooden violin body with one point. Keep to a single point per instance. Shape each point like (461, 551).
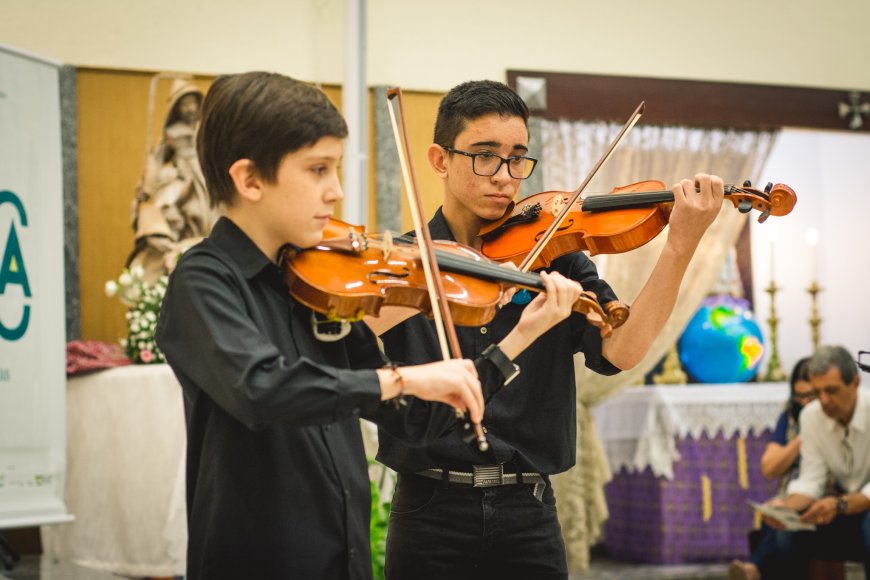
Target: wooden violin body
(620, 221)
(602, 233)
(352, 274)
(347, 284)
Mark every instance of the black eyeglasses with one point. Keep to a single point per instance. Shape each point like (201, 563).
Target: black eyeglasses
(865, 364)
(487, 164)
(810, 396)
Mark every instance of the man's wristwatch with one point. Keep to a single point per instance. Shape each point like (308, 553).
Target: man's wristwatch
(508, 368)
(842, 505)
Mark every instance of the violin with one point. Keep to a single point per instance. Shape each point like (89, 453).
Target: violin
(353, 273)
(622, 220)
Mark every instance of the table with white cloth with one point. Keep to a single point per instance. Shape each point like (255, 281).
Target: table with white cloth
(125, 473)
(685, 461)
(126, 443)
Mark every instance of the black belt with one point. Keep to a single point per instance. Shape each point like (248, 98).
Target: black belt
(484, 476)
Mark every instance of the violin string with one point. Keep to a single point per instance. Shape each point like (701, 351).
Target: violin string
(464, 265)
(645, 196)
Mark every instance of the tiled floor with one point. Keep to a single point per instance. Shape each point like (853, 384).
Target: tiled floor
(603, 569)
(36, 568)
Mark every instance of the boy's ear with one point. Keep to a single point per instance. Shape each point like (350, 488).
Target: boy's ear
(246, 179)
(438, 159)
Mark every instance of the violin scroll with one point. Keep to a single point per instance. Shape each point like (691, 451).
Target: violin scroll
(777, 200)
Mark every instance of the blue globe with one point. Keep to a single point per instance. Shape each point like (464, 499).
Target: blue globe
(722, 342)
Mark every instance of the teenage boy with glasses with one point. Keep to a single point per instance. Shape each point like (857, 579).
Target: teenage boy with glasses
(458, 512)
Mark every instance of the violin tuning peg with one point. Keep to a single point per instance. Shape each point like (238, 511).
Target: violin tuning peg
(745, 206)
(768, 187)
(764, 215)
(747, 183)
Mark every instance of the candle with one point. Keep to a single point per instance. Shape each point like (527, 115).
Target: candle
(772, 235)
(813, 241)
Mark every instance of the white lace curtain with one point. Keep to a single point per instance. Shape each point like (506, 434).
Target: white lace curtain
(570, 149)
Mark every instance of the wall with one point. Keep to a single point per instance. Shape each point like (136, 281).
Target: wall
(830, 174)
(434, 45)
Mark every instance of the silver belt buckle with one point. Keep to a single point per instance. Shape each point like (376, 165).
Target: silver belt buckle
(487, 475)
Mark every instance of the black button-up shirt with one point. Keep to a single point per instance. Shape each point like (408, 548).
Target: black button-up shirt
(530, 422)
(277, 479)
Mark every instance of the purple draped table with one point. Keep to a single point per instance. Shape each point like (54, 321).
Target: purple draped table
(685, 460)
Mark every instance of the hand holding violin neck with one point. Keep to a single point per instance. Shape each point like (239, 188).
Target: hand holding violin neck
(775, 200)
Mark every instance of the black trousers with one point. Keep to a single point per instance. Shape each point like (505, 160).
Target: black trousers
(451, 531)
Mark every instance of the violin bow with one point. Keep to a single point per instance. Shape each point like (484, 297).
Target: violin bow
(557, 222)
(444, 326)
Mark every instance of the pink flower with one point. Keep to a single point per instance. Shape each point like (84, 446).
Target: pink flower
(146, 356)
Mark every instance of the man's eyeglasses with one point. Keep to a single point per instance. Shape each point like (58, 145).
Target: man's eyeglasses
(865, 364)
(487, 164)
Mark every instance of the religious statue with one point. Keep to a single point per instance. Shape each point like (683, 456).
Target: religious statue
(171, 211)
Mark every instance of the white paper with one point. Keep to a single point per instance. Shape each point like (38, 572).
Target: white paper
(787, 517)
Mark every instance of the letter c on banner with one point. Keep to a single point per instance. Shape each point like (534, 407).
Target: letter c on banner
(12, 268)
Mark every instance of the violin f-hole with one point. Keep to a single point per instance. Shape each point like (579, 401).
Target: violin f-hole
(375, 275)
(567, 225)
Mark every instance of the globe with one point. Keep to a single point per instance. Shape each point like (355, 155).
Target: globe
(722, 342)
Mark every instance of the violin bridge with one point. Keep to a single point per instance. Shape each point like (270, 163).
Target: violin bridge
(556, 204)
(387, 246)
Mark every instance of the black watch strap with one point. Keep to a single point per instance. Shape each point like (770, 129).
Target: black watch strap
(508, 368)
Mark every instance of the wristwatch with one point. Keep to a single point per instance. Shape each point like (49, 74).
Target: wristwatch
(508, 368)
(842, 505)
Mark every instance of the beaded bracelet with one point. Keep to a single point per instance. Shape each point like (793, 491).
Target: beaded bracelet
(398, 400)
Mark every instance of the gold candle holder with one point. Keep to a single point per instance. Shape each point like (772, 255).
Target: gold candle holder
(774, 370)
(815, 319)
(672, 371)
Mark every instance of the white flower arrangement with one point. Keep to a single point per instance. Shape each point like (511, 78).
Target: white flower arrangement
(144, 301)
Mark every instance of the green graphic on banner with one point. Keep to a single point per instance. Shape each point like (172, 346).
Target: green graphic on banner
(12, 268)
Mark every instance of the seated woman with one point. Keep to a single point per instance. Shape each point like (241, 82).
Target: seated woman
(781, 459)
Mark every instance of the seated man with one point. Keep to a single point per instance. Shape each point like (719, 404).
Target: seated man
(835, 440)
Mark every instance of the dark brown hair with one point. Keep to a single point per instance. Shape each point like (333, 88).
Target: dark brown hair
(262, 117)
(473, 100)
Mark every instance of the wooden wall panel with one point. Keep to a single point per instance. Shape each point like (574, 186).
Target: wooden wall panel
(112, 119)
(421, 109)
(690, 103)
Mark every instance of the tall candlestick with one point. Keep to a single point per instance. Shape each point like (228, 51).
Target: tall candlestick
(774, 370)
(815, 318)
(772, 235)
(813, 240)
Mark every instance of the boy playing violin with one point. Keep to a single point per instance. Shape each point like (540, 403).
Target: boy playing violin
(277, 482)
(458, 512)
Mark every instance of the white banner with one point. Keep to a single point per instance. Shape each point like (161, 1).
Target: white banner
(32, 324)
